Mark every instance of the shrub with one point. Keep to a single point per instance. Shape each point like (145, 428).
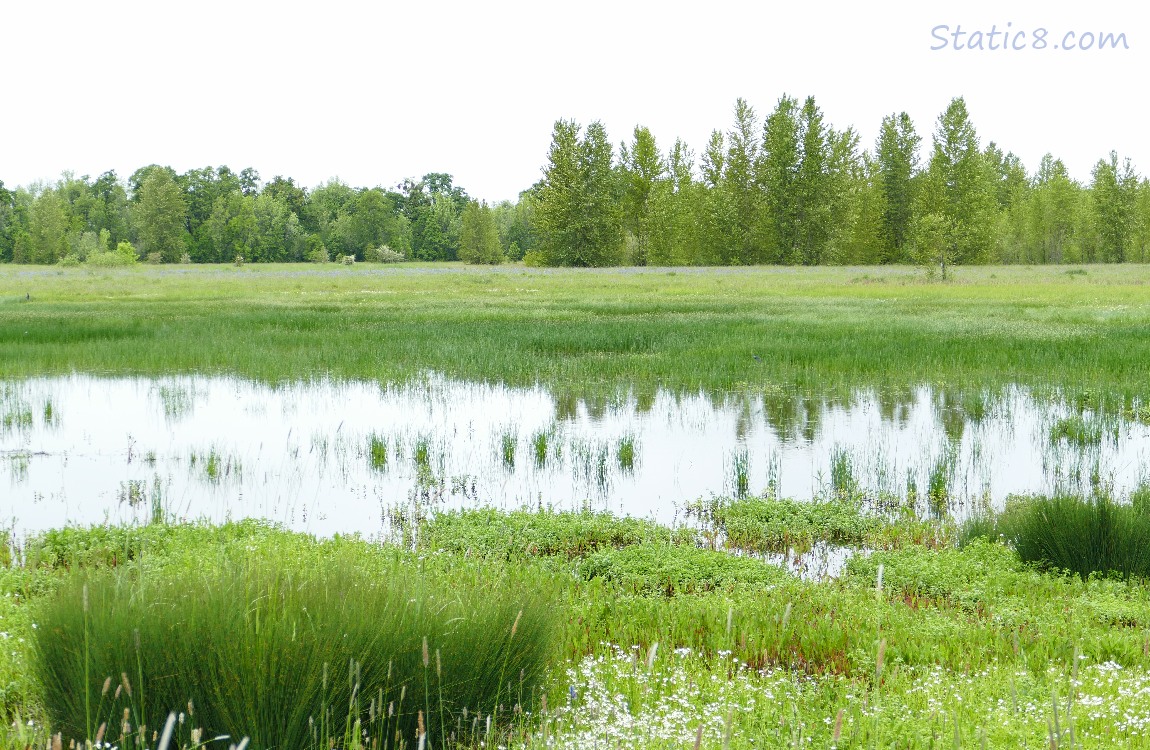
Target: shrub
(318, 255)
(383, 254)
(239, 261)
(534, 259)
(154, 258)
(265, 644)
(69, 261)
(124, 255)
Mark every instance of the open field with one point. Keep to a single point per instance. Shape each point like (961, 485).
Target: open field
(479, 624)
(817, 330)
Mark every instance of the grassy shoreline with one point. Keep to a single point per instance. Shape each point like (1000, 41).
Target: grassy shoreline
(820, 330)
(944, 642)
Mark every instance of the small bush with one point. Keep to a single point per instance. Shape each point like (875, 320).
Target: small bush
(667, 569)
(383, 254)
(534, 259)
(154, 258)
(69, 261)
(318, 255)
(124, 255)
(239, 261)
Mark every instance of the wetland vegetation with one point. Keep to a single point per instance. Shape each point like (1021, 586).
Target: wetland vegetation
(814, 593)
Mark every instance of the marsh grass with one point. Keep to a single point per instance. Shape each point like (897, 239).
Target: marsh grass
(740, 468)
(1080, 431)
(214, 466)
(377, 452)
(844, 485)
(626, 453)
(940, 480)
(316, 651)
(539, 442)
(1095, 535)
(604, 331)
(508, 446)
(737, 658)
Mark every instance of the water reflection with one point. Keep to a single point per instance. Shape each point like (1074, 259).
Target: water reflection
(328, 457)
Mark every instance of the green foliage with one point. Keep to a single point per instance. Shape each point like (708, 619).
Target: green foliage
(48, 228)
(655, 567)
(478, 236)
(263, 643)
(577, 206)
(643, 170)
(1114, 194)
(160, 216)
(777, 525)
(896, 154)
(383, 254)
(516, 534)
(1080, 431)
(123, 255)
(956, 207)
(931, 244)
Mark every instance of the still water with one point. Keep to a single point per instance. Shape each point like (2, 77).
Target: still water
(340, 457)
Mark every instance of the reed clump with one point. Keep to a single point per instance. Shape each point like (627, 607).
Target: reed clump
(1084, 535)
(306, 650)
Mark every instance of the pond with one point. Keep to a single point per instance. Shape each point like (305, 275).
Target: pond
(330, 457)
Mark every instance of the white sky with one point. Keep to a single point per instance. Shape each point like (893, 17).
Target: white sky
(375, 92)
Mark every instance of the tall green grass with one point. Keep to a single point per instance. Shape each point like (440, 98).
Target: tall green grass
(606, 331)
(1084, 535)
(293, 654)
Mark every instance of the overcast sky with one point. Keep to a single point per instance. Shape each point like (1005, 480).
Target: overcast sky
(375, 92)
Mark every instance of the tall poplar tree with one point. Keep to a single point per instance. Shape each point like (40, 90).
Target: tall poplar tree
(896, 160)
(48, 228)
(642, 166)
(741, 193)
(578, 206)
(959, 191)
(1114, 194)
(776, 173)
(813, 199)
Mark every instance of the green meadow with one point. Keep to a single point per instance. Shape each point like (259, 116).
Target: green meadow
(818, 330)
(1025, 627)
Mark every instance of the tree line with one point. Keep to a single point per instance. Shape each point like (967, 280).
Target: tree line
(787, 188)
(793, 189)
(215, 215)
